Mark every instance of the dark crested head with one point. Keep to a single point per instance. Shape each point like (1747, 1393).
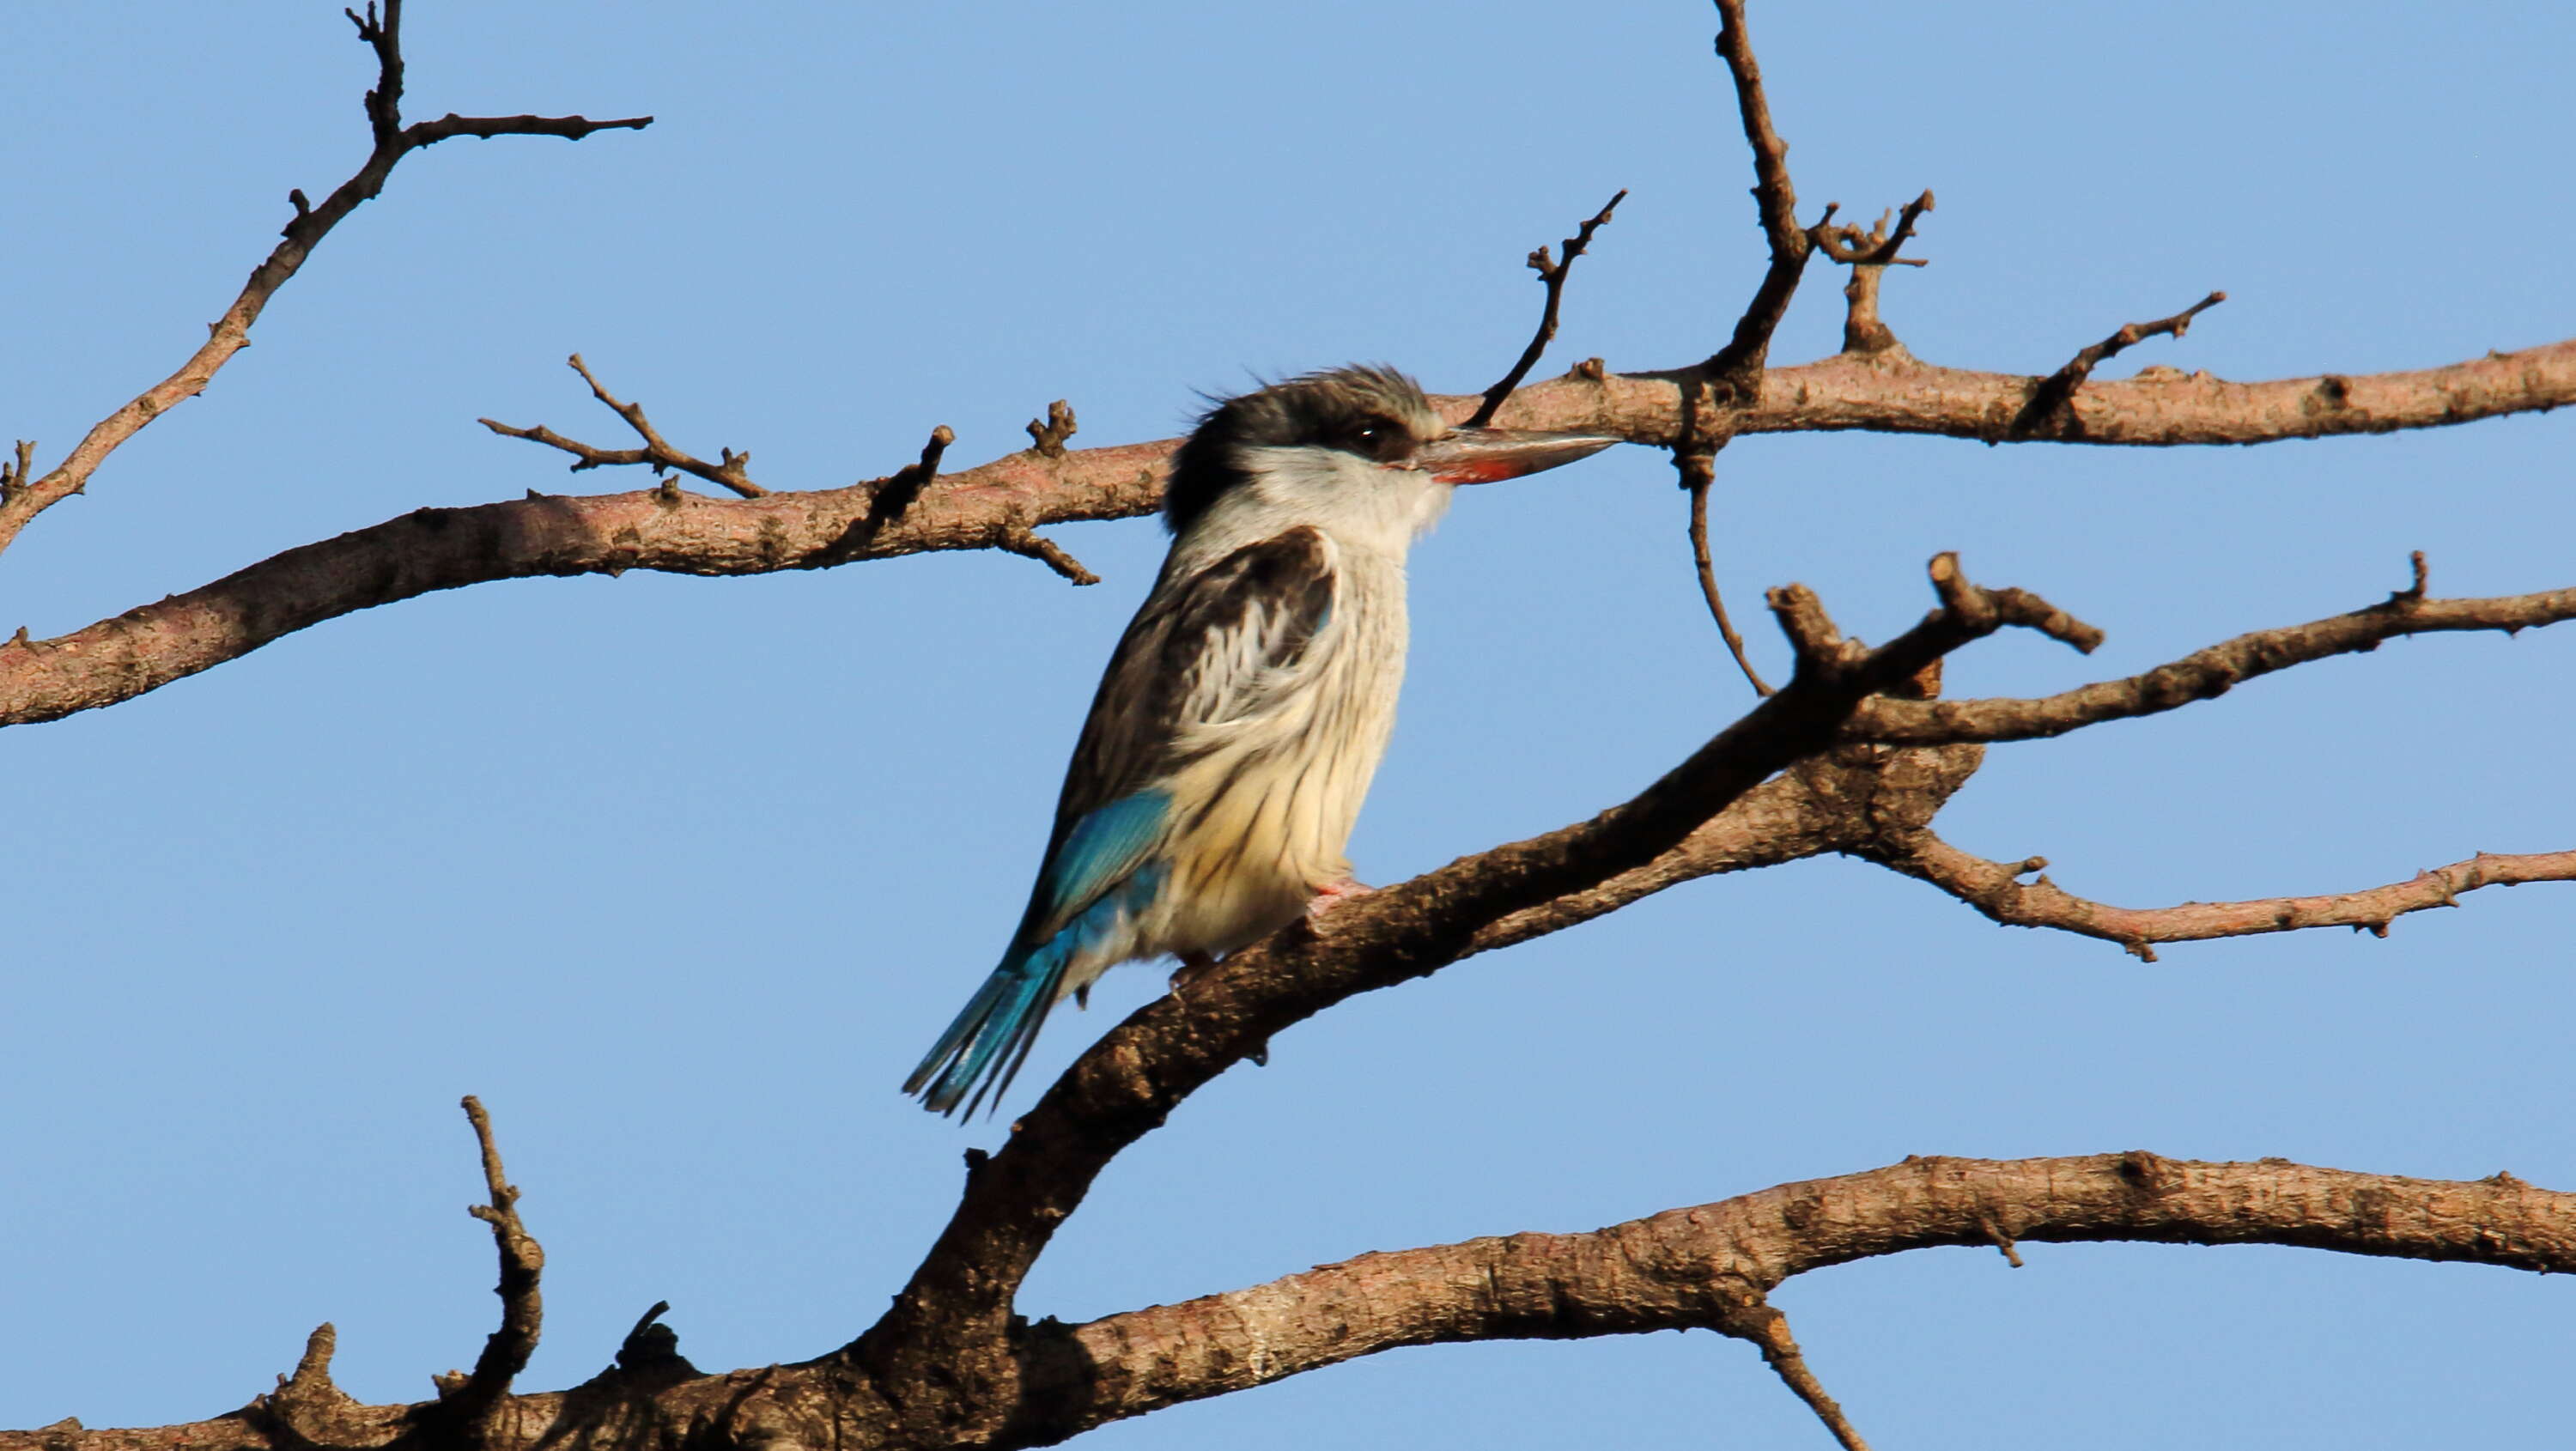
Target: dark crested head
(1373, 412)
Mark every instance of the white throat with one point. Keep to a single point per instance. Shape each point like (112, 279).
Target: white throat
(1361, 504)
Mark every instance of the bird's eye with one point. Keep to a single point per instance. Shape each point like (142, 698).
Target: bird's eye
(1379, 439)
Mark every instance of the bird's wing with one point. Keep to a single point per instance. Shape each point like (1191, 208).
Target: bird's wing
(1199, 651)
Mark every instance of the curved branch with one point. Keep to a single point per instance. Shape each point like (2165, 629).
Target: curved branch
(148, 647)
(1688, 1268)
(1551, 274)
(947, 1329)
(1993, 888)
(1698, 1267)
(22, 499)
(664, 529)
(1838, 802)
(1738, 366)
(469, 1400)
(2204, 674)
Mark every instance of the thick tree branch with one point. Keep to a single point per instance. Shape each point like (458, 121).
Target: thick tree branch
(1838, 802)
(1995, 889)
(952, 1315)
(1698, 1267)
(2203, 674)
(609, 534)
(2159, 407)
(1690, 1268)
(23, 500)
(432, 549)
(435, 549)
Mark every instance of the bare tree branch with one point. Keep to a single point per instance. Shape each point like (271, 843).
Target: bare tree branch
(2203, 674)
(2157, 408)
(1689, 1268)
(950, 1364)
(307, 1408)
(2048, 400)
(657, 452)
(434, 549)
(1684, 1268)
(1837, 802)
(1758, 1321)
(152, 645)
(1552, 274)
(470, 1400)
(953, 1311)
(1699, 473)
(23, 500)
(1738, 366)
(1869, 254)
(1994, 889)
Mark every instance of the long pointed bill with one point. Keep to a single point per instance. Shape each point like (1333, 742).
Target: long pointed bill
(1483, 455)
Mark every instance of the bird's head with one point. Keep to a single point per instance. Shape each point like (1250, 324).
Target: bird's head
(1357, 449)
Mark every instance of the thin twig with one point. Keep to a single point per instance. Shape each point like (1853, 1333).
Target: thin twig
(1876, 247)
(729, 471)
(2051, 396)
(1757, 1320)
(1738, 365)
(892, 497)
(2003, 1241)
(1552, 273)
(505, 1350)
(1869, 254)
(1020, 539)
(1698, 472)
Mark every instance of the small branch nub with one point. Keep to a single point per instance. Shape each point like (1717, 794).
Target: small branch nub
(1047, 435)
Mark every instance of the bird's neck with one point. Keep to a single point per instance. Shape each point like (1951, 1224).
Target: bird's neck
(1364, 508)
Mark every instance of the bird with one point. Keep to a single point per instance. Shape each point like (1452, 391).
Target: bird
(1219, 773)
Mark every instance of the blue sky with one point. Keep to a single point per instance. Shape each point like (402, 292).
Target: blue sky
(681, 875)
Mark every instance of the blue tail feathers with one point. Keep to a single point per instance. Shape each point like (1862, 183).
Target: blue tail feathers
(983, 1049)
(1000, 1022)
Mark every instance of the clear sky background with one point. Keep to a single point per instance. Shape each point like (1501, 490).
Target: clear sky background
(682, 875)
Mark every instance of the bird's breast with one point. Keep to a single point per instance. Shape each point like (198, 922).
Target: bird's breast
(1266, 800)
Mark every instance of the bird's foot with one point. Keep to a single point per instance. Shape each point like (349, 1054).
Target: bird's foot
(1334, 894)
(1194, 968)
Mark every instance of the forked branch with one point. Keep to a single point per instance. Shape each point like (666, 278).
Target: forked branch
(657, 453)
(2047, 405)
(229, 334)
(1125, 1084)
(2203, 674)
(1552, 273)
(471, 1399)
(1687, 1268)
(1737, 367)
(1996, 889)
